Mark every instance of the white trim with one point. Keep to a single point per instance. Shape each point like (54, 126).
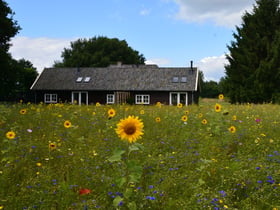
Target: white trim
(142, 98)
(178, 97)
(79, 97)
(107, 97)
(51, 96)
(196, 81)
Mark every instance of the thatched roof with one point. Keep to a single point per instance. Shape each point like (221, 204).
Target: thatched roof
(118, 78)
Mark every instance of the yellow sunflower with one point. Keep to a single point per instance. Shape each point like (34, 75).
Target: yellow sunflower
(157, 119)
(221, 96)
(184, 118)
(111, 113)
(218, 107)
(204, 121)
(23, 111)
(234, 117)
(142, 111)
(158, 104)
(232, 129)
(130, 129)
(52, 145)
(97, 104)
(67, 124)
(180, 105)
(10, 135)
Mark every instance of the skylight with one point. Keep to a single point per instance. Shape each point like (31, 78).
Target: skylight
(175, 79)
(184, 79)
(79, 79)
(87, 79)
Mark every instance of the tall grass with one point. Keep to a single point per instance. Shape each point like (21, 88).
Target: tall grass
(194, 164)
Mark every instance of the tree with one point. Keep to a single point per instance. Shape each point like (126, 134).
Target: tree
(99, 52)
(9, 28)
(252, 74)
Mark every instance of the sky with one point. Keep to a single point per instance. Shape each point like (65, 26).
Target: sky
(169, 33)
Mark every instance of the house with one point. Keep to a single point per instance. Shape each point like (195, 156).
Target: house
(115, 84)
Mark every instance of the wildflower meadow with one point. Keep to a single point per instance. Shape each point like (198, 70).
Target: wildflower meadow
(208, 156)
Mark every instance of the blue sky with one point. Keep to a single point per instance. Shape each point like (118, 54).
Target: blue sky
(169, 33)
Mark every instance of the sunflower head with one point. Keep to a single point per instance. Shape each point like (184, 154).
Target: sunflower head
(23, 111)
(10, 135)
(204, 121)
(130, 129)
(157, 119)
(221, 96)
(232, 129)
(218, 107)
(111, 113)
(67, 124)
(52, 145)
(184, 118)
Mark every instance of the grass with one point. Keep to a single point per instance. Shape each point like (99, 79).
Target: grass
(175, 165)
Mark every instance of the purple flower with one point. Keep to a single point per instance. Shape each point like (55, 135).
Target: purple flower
(258, 120)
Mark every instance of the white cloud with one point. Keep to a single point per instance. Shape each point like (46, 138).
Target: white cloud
(222, 12)
(213, 67)
(158, 61)
(145, 12)
(41, 52)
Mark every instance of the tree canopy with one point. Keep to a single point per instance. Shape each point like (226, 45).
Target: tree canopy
(99, 52)
(253, 72)
(16, 77)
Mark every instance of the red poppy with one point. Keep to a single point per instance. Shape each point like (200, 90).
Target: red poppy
(84, 191)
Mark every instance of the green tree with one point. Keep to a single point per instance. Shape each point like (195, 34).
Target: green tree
(252, 74)
(99, 52)
(8, 29)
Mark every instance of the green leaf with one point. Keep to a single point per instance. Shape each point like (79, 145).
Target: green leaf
(132, 205)
(117, 200)
(117, 155)
(135, 147)
(121, 181)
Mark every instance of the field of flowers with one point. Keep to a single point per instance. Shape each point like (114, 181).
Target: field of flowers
(211, 156)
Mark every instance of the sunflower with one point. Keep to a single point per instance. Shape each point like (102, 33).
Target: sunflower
(204, 121)
(221, 96)
(157, 119)
(52, 145)
(232, 129)
(184, 118)
(130, 129)
(180, 105)
(111, 113)
(10, 135)
(158, 104)
(142, 111)
(67, 124)
(97, 104)
(23, 111)
(234, 117)
(218, 107)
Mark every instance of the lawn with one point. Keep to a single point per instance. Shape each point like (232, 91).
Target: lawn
(211, 156)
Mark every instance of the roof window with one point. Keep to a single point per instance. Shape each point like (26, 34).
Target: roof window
(175, 79)
(184, 79)
(79, 79)
(87, 79)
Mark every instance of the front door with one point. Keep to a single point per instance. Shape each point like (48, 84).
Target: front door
(176, 98)
(79, 97)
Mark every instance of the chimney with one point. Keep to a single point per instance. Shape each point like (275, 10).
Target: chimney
(191, 64)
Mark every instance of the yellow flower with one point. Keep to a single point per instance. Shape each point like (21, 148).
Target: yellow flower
(10, 135)
(130, 129)
(225, 206)
(97, 104)
(218, 107)
(67, 124)
(221, 96)
(23, 111)
(232, 129)
(234, 117)
(187, 112)
(157, 119)
(111, 113)
(142, 112)
(184, 118)
(1, 207)
(39, 164)
(204, 121)
(52, 145)
(158, 104)
(180, 105)
(200, 115)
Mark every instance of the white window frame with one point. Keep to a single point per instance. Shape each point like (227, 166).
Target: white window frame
(142, 99)
(50, 98)
(110, 99)
(178, 97)
(79, 102)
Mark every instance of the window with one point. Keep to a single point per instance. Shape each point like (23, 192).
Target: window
(175, 79)
(110, 98)
(79, 79)
(184, 79)
(142, 99)
(50, 98)
(87, 79)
